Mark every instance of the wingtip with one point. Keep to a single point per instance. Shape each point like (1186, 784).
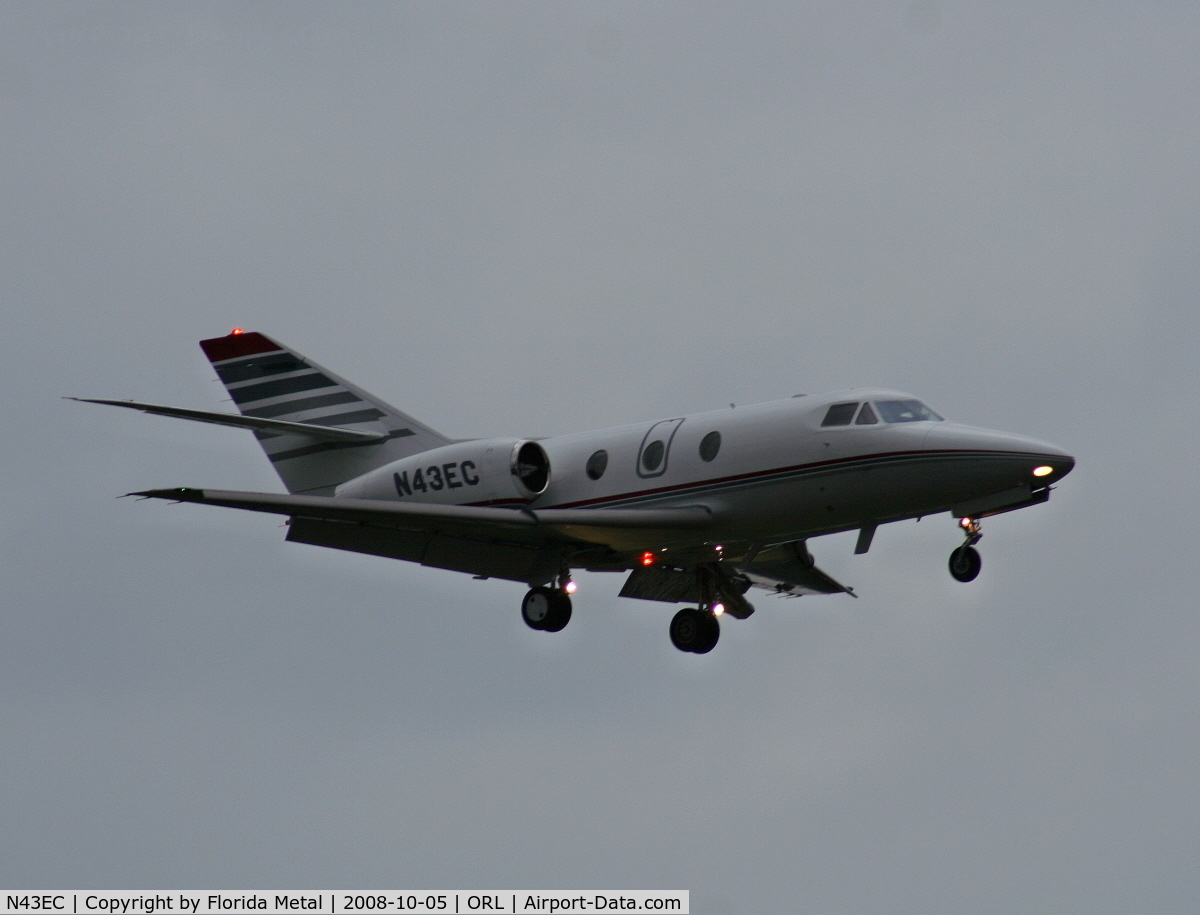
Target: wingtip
(108, 403)
(178, 494)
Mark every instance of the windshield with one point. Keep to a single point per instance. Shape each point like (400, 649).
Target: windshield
(905, 411)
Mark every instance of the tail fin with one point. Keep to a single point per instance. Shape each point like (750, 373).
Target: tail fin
(267, 380)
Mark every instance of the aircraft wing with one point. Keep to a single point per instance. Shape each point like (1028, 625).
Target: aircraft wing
(795, 578)
(513, 543)
(575, 522)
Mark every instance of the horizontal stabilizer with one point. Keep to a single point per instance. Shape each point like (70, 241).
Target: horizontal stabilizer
(278, 426)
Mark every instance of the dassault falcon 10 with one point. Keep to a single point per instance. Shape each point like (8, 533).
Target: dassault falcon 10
(696, 509)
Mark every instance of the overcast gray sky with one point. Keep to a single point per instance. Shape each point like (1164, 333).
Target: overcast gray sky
(530, 219)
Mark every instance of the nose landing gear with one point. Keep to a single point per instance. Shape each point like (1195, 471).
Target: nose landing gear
(965, 562)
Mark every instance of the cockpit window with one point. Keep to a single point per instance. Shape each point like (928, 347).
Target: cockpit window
(905, 411)
(840, 414)
(866, 416)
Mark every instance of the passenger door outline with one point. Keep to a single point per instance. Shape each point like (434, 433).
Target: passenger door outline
(664, 432)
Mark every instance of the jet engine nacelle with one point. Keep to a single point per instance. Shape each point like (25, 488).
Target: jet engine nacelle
(487, 470)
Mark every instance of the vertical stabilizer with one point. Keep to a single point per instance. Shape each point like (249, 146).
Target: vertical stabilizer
(273, 382)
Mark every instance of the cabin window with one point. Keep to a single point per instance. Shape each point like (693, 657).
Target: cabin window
(710, 445)
(652, 455)
(905, 411)
(597, 464)
(840, 414)
(866, 416)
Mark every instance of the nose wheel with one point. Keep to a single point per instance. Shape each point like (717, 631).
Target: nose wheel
(965, 562)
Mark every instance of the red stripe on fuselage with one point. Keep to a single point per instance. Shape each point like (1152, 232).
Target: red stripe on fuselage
(681, 488)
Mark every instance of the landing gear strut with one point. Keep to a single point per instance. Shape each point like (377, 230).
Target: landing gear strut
(965, 562)
(546, 609)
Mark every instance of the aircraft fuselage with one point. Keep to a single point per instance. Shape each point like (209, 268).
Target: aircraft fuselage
(776, 474)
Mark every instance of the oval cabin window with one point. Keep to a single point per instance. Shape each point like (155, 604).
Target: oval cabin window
(652, 455)
(710, 445)
(597, 464)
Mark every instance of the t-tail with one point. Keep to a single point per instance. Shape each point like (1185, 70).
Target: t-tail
(270, 382)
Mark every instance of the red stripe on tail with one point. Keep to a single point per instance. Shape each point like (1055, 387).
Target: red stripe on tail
(218, 349)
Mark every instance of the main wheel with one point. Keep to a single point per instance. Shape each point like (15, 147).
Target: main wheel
(694, 630)
(560, 612)
(965, 563)
(546, 609)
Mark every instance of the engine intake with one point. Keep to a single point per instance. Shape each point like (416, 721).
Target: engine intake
(530, 467)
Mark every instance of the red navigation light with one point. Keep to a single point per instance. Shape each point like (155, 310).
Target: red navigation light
(236, 331)
(648, 559)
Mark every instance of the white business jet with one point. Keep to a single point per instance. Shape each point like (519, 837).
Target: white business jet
(696, 509)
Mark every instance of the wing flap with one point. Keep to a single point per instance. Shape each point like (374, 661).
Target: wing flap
(795, 578)
(788, 568)
(675, 586)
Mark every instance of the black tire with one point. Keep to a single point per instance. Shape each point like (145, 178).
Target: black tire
(965, 563)
(546, 609)
(711, 634)
(694, 630)
(560, 613)
(536, 607)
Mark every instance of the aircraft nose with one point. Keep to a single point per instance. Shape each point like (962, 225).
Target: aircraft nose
(1047, 463)
(1057, 465)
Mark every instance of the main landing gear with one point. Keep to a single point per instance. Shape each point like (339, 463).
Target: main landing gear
(695, 629)
(547, 609)
(965, 562)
